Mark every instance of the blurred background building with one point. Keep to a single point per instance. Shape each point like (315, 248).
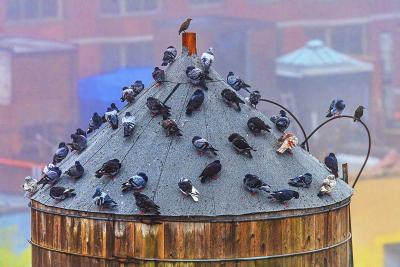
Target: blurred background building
(61, 60)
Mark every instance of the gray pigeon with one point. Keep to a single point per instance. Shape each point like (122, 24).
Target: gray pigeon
(79, 143)
(95, 122)
(136, 183)
(61, 153)
(169, 55)
(236, 83)
(60, 193)
(112, 117)
(51, 175)
(254, 98)
(281, 121)
(137, 87)
(128, 121)
(197, 77)
(336, 108)
(103, 200)
(156, 107)
(202, 145)
(301, 181)
(75, 171)
(254, 184)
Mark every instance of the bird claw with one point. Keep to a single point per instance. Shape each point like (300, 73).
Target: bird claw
(200, 153)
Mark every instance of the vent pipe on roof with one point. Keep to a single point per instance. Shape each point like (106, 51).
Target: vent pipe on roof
(189, 43)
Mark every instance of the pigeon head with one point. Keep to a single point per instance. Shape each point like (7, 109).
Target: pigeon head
(109, 109)
(189, 69)
(60, 145)
(96, 114)
(170, 47)
(28, 178)
(308, 174)
(296, 194)
(143, 175)
(138, 82)
(74, 136)
(77, 163)
(340, 104)
(331, 177)
(248, 176)
(282, 113)
(230, 73)
(216, 162)
(210, 51)
(233, 137)
(127, 114)
(189, 19)
(137, 194)
(195, 138)
(97, 193)
(256, 92)
(332, 155)
(183, 180)
(113, 105)
(124, 88)
(156, 69)
(198, 92)
(362, 107)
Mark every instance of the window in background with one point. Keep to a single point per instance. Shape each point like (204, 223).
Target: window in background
(31, 10)
(138, 54)
(386, 50)
(127, 7)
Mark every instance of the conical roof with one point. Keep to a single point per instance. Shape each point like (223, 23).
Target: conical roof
(167, 159)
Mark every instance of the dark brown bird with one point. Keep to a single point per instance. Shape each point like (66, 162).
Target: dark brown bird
(256, 125)
(230, 97)
(170, 127)
(185, 25)
(358, 113)
(211, 171)
(240, 144)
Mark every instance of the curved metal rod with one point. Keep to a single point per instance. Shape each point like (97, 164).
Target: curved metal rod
(369, 141)
(294, 117)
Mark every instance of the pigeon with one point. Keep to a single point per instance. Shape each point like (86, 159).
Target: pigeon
(112, 117)
(195, 101)
(207, 58)
(109, 168)
(170, 127)
(61, 153)
(75, 171)
(332, 164)
(254, 98)
(287, 142)
(186, 187)
(169, 55)
(202, 145)
(51, 174)
(137, 87)
(254, 184)
(114, 107)
(79, 131)
(30, 186)
(128, 121)
(256, 125)
(145, 204)
(236, 83)
(230, 97)
(79, 143)
(197, 77)
(283, 196)
(156, 107)
(102, 199)
(127, 95)
(158, 76)
(358, 113)
(328, 184)
(281, 121)
(240, 144)
(301, 181)
(137, 182)
(211, 171)
(336, 108)
(185, 25)
(61, 193)
(94, 123)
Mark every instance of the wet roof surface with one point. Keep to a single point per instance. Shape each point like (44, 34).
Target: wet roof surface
(166, 159)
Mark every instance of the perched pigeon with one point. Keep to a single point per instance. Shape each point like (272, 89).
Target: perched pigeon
(169, 55)
(186, 187)
(328, 184)
(109, 168)
(236, 83)
(112, 117)
(283, 196)
(61, 193)
(197, 77)
(256, 125)
(240, 144)
(79, 131)
(145, 204)
(95, 122)
(336, 108)
(254, 184)
(79, 143)
(137, 87)
(30, 186)
(170, 127)
(254, 98)
(61, 153)
(301, 181)
(211, 171)
(114, 107)
(158, 76)
(137, 182)
(230, 97)
(102, 199)
(128, 121)
(156, 107)
(358, 113)
(51, 174)
(127, 95)
(195, 101)
(287, 142)
(281, 121)
(184, 25)
(207, 58)
(332, 164)
(202, 145)
(75, 171)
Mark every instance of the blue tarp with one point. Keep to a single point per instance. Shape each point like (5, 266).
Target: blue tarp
(97, 92)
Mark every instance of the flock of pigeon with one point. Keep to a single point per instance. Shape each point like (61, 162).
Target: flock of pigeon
(52, 174)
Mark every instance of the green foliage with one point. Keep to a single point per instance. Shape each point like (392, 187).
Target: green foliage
(7, 256)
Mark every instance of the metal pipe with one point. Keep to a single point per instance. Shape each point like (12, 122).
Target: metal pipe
(369, 140)
(294, 117)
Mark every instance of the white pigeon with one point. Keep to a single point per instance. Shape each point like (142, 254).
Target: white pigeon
(207, 58)
(186, 187)
(30, 186)
(328, 184)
